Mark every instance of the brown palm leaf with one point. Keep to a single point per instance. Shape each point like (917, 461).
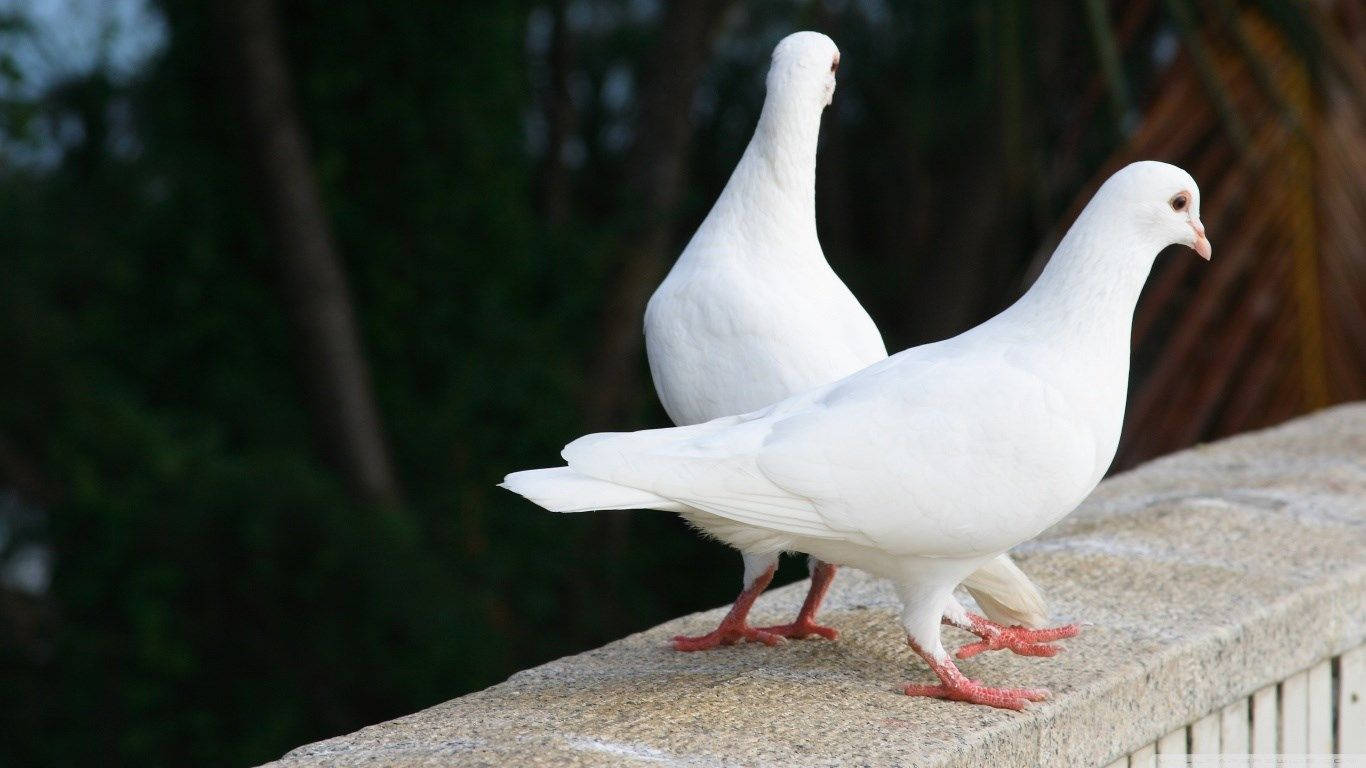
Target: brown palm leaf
(1276, 324)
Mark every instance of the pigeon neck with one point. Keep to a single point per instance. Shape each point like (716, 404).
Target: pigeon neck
(780, 164)
(1090, 287)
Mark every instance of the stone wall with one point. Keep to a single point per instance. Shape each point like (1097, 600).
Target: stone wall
(1220, 589)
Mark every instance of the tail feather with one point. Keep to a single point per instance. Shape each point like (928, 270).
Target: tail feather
(1006, 594)
(561, 489)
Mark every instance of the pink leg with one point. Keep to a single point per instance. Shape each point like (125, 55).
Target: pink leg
(734, 627)
(1026, 642)
(806, 625)
(954, 685)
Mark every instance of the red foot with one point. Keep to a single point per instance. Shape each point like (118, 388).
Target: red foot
(724, 635)
(805, 625)
(1021, 640)
(974, 692)
(954, 685)
(735, 626)
(802, 628)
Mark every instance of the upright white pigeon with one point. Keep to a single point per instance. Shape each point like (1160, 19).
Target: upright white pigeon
(923, 467)
(752, 313)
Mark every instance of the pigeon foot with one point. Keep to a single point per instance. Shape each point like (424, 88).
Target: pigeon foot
(1021, 640)
(735, 627)
(805, 625)
(802, 628)
(955, 686)
(725, 635)
(974, 692)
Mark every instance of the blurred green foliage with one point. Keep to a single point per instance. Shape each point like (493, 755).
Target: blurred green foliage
(217, 597)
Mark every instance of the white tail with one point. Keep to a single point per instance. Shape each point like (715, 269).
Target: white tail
(1006, 594)
(561, 489)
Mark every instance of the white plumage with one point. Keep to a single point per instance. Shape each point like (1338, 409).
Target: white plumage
(925, 466)
(752, 313)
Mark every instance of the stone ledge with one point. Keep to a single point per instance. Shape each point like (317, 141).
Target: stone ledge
(1204, 575)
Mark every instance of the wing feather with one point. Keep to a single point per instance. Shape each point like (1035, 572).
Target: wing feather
(920, 453)
(711, 467)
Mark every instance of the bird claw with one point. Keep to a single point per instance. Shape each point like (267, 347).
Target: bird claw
(974, 692)
(955, 686)
(1021, 640)
(802, 628)
(1023, 649)
(724, 635)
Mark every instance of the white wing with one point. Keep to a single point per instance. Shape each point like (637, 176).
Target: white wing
(712, 467)
(920, 454)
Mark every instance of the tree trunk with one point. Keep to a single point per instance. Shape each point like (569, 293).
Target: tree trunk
(332, 362)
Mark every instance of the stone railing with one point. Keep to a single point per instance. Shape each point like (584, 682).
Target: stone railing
(1223, 591)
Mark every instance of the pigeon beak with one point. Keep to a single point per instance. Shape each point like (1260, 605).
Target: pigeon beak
(1201, 245)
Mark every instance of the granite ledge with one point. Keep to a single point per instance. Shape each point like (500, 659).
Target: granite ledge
(1201, 577)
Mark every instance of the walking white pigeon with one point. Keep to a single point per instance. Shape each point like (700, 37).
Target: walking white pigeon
(752, 313)
(924, 466)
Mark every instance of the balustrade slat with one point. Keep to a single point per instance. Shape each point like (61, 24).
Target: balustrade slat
(1205, 735)
(1295, 714)
(1173, 743)
(1264, 721)
(1352, 702)
(1321, 708)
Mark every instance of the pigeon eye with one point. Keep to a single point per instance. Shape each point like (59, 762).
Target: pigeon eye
(835, 64)
(1180, 202)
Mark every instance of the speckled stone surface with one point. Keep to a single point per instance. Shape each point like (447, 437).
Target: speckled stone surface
(1203, 575)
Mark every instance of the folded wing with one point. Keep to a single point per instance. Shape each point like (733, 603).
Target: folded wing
(918, 454)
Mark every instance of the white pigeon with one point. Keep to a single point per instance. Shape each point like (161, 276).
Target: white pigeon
(923, 467)
(752, 313)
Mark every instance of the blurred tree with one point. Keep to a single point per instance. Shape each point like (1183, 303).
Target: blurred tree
(331, 357)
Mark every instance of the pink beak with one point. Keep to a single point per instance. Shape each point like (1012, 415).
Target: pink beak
(1202, 245)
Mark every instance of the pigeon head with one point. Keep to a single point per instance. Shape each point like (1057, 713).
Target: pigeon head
(803, 69)
(1164, 201)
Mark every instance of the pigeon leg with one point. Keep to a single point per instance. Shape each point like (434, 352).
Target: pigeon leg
(923, 606)
(735, 626)
(1021, 640)
(805, 625)
(954, 685)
